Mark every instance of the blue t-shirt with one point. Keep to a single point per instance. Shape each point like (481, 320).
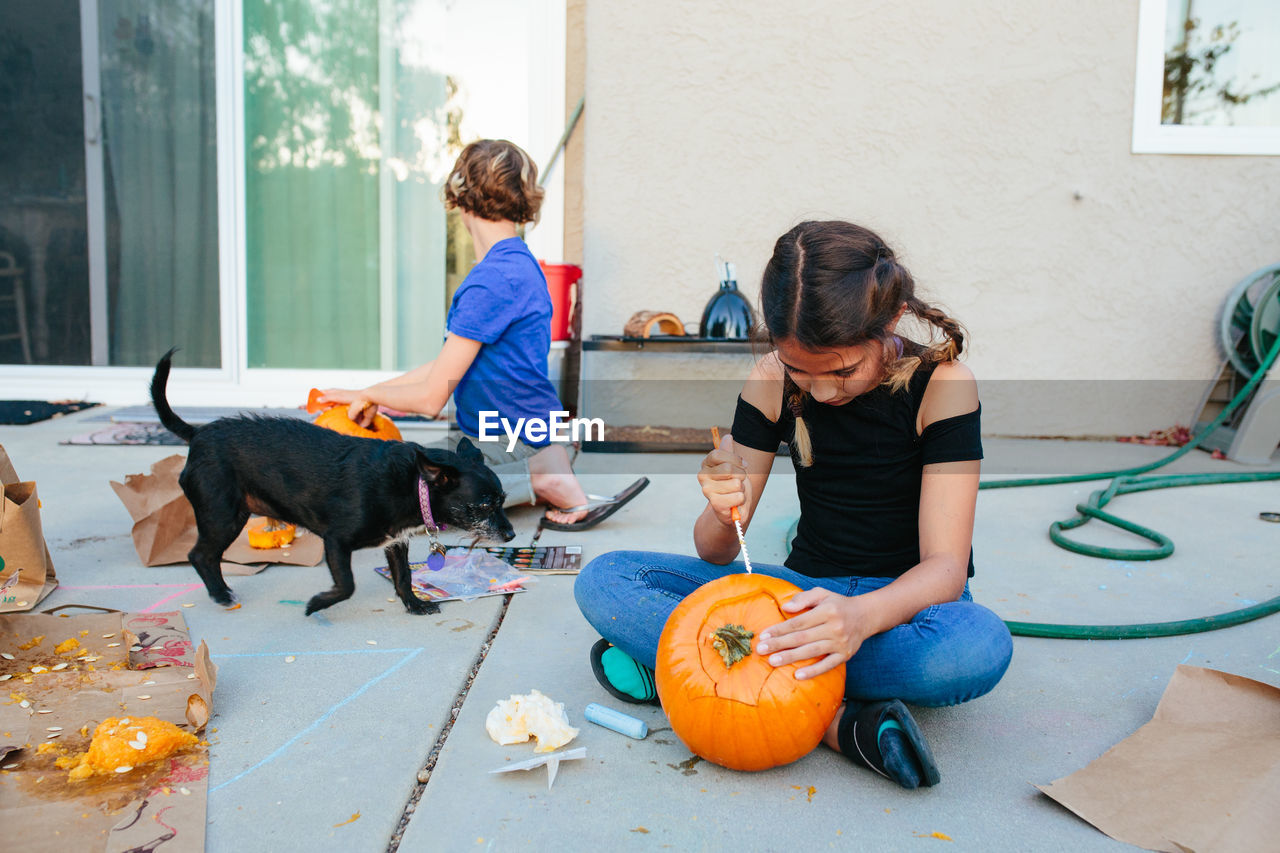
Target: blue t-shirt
(503, 303)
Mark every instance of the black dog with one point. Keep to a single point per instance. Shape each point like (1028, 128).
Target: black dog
(352, 492)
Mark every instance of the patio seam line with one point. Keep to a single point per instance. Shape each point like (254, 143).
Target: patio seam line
(424, 775)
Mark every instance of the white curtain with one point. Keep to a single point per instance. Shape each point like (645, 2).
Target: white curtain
(158, 85)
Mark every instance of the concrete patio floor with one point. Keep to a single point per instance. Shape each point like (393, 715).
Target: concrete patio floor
(301, 747)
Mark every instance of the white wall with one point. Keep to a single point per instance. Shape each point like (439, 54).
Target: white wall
(989, 143)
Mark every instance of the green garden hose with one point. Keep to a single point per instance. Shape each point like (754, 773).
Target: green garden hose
(1127, 481)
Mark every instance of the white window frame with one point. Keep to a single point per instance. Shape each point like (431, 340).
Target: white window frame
(1152, 137)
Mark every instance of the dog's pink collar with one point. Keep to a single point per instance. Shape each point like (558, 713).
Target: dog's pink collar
(424, 502)
(435, 560)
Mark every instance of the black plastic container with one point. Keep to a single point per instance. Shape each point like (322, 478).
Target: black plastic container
(728, 314)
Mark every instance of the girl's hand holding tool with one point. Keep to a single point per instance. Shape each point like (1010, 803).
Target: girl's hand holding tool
(724, 482)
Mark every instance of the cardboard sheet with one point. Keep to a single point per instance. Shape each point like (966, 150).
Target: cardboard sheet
(1203, 775)
(134, 656)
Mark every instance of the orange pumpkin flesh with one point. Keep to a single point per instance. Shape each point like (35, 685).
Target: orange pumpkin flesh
(313, 402)
(747, 715)
(269, 533)
(119, 745)
(336, 419)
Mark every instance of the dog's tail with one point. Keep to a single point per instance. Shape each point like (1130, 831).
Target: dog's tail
(168, 417)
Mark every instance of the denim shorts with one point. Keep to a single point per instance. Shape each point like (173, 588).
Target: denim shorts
(511, 467)
(947, 654)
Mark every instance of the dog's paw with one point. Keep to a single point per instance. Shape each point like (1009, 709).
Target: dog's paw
(227, 600)
(418, 607)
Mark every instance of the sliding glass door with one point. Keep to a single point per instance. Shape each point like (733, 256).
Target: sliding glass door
(108, 183)
(256, 182)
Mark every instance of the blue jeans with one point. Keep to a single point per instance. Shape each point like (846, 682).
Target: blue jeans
(948, 653)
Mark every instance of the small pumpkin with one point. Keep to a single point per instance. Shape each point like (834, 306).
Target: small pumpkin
(728, 704)
(336, 419)
(269, 533)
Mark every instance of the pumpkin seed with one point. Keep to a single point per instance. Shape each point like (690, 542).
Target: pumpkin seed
(112, 646)
(138, 745)
(144, 696)
(189, 604)
(59, 667)
(54, 729)
(123, 768)
(8, 766)
(44, 711)
(6, 656)
(39, 669)
(6, 677)
(52, 735)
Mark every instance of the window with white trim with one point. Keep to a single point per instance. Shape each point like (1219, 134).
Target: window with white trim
(1208, 77)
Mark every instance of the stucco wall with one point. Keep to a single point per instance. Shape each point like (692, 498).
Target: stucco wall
(988, 142)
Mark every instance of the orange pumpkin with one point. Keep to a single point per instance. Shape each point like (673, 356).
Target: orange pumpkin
(728, 704)
(269, 533)
(336, 419)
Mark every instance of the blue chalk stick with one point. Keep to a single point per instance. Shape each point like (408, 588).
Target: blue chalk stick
(616, 721)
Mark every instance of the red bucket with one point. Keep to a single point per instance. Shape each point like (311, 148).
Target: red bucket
(562, 282)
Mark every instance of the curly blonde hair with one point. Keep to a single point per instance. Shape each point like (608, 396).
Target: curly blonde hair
(495, 180)
(836, 284)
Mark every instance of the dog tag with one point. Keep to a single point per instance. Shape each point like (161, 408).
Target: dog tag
(435, 560)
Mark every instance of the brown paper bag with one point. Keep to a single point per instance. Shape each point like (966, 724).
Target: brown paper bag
(26, 567)
(164, 525)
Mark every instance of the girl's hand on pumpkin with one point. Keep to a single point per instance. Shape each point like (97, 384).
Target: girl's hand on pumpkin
(362, 412)
(829, 627)
(723, 477)
(337, 396)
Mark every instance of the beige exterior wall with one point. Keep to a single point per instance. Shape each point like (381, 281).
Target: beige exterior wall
(989, 143)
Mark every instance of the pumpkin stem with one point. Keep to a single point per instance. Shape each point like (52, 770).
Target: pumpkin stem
(733, 642)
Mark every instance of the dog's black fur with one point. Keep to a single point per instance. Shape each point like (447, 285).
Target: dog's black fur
(352, 492)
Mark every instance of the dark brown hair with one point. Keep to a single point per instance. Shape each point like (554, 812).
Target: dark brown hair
(835, 284)
(495, 180)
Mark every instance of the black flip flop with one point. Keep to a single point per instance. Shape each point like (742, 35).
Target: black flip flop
(597, 667)
(599, 508)
(859, 738)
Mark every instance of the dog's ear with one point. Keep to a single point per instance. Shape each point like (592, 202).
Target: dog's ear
(438, 467)
(469, 452)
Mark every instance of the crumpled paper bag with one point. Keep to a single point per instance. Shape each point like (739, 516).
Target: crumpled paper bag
(26, 567)
(1202, 775)
(164, 525)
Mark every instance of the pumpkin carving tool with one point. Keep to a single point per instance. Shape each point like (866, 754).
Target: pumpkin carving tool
(737, 517)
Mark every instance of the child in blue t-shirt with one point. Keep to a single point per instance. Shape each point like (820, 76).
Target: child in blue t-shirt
(494, 359)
